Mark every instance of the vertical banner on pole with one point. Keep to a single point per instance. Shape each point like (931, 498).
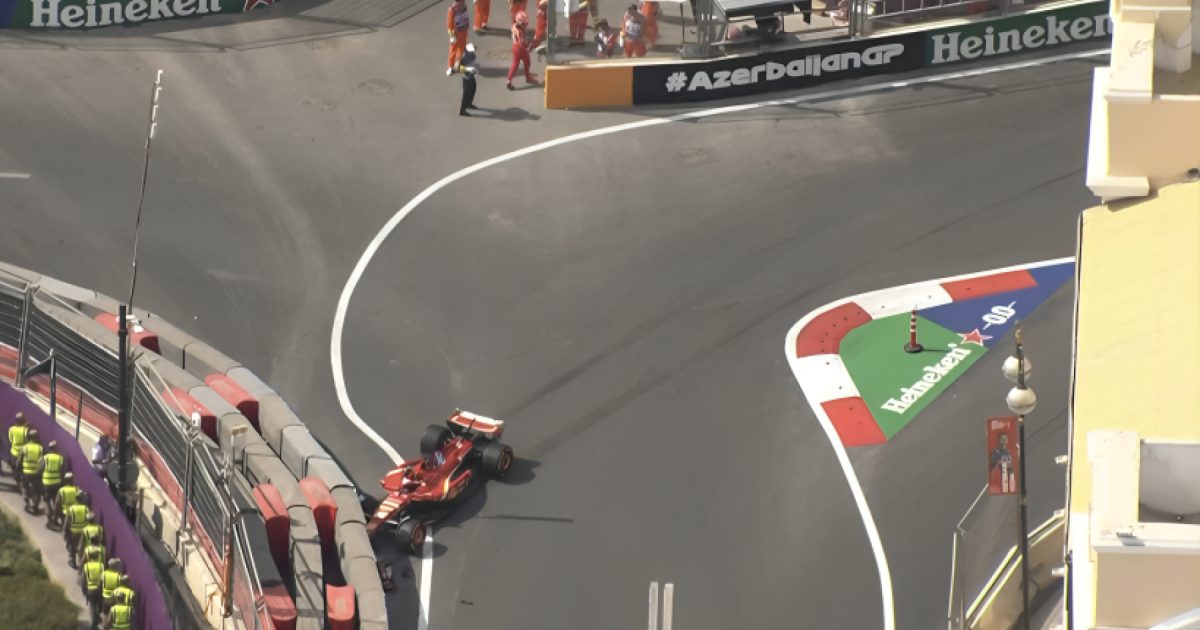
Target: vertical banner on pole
(1003, 455)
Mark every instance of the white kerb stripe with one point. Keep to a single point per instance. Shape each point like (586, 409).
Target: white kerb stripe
(879, 304)
(823, 377)
(426, 587)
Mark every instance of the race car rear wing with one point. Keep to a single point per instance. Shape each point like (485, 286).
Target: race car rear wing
(490, 428)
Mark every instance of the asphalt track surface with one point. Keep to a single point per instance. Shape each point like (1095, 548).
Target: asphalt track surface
(621, 301)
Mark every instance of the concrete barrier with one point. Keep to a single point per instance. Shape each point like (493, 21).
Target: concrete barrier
(232, 393)
(363, 574)
(274, 416)
(307, 569)
(278, 524)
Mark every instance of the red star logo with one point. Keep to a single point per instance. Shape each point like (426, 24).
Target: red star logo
(250, 4)
(974, 337)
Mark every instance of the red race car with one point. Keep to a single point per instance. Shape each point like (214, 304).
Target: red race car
(455, 458)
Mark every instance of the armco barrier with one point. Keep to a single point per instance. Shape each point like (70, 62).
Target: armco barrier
(825, 62)
(122, 539)
(187, 462)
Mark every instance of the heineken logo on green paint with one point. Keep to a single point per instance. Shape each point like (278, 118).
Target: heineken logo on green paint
(932, 374)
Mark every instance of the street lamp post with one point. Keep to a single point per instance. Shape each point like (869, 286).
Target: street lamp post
(1021, 400)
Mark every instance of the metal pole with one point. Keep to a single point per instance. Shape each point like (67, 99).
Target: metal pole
(79, 414)
(137, 225)
(187, 493)
(1024, 529)
(122, 408)
(53, 387)
(1024, 542)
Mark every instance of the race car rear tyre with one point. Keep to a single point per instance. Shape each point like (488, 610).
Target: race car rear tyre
(435, 436)
(411, 535)
(497, 459)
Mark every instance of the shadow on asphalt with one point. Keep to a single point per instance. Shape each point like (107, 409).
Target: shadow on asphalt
(511, 114)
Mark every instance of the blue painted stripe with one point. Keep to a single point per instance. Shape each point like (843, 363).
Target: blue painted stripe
(995, 314)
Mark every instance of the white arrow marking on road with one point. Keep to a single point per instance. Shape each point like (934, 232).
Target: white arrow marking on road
(343, 304)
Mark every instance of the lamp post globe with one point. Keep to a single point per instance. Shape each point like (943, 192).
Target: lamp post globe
(1021, 400)
(1012, 364)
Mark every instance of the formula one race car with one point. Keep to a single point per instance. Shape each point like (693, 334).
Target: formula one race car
(454, 460)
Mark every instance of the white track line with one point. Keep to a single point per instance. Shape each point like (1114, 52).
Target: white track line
(343, 304)
(15, 176)
(426, 582)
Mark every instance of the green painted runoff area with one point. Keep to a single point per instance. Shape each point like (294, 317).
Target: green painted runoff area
(875, 358)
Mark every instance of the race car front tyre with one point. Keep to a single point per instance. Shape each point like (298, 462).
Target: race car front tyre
(435, 436)
(411, 535)
(497, 459)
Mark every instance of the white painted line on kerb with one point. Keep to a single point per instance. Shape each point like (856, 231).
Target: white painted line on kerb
(15, 175)
(343, 304)
(652, 622)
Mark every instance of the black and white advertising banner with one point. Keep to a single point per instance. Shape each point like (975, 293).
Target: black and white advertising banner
(783, 70)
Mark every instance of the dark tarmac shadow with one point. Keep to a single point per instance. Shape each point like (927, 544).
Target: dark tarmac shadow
(511, 114)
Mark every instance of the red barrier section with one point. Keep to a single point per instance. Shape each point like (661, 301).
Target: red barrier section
(853, 421)
(280, 607)
(233, 394)
(823, 335)
(324, 512)
(208, 419)
(279, 524)
(988, 285)
(145, 338)
(339, 607)
(8, 363)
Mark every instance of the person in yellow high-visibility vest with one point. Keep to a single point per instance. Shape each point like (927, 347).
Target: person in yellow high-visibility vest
(92, 531)
(66, 496)
(17, 434)
(30, 460)
(94, 546)
(53, 465)
(120, 617)
(76, 519)
(124, 593)
(109, 581)
(89, 581)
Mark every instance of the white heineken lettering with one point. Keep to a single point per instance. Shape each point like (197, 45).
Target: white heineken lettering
(72, 16)
(159, 9)
(808, 66)
(954, 46)
(1034, 37)
(972, 47)
(45, 13)
(930, 376)
(135, 11)
(53, 13)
